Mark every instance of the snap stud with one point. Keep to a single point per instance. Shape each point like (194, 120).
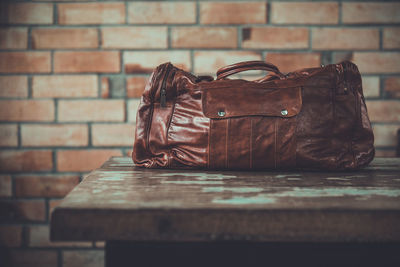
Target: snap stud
(221, 113)
(284, 112)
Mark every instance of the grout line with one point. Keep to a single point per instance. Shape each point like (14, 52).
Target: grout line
(55, 14)
(269, 12)
(25, 236)
(30, 41)
(19, 135)
(60, 257)
(30, 93)
(47, 210)
(99, 86)
(89, 132)
(197, 6)
(381, 83)
(192, 61)
(169, 37)
(239, 32)
(126, 12)
(99, 38)
(55, 102)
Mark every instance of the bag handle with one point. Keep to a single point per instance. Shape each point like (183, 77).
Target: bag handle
(247, 65)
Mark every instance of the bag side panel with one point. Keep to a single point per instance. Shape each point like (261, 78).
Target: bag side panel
(363, 137)
(150, 125)
(333, 131)
(187, 133)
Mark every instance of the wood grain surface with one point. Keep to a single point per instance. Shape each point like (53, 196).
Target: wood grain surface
(121, 202)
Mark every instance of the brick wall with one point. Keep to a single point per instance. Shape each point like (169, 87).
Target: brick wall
(71, 73)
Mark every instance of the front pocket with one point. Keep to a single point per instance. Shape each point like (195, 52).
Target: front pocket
(252, 127)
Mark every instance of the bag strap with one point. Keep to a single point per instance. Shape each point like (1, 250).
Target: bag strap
(247, 65)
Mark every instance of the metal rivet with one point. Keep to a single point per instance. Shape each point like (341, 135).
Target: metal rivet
(322, 65)
(284, 112)
(221, 113)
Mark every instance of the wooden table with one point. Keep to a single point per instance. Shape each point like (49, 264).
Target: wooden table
(215, 218)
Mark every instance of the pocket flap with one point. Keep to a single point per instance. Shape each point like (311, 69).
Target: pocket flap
(226, 102)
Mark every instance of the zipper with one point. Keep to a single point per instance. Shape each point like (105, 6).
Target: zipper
(163, 91)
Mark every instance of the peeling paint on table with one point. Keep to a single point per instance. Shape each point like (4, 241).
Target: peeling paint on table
(233, 203)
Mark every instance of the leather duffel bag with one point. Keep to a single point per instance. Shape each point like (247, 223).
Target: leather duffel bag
(310, 119)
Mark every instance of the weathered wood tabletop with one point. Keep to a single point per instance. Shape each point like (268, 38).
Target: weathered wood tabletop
(121, 202)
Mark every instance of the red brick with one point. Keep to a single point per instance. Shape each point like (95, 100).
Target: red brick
(83, 160)
(162, 12)
(387, 153)
(26, 210)
(385, 135)
(39, 236)
(45, 186)
(377, 62)
(105, 134)
(233, 13)
(54, 135)
(10, 235)
(370, 13)
(247, 77)
(26, 110)
(210, 61)
(8, 135)
(5, 186)
(30, 13)
(90, 258)
(384, 111)
(33, 258)
(391, 38)
(64, 86)
(13, 38)
(64, 38)
(275, 38)
(105, 87)
(91, 110)
(91, 13)
(134, 37)
(135, 86)
(147, 61)
(25, 62)
(88, 61)
(204, 37)
(25, 160)
(13, 86)
(133, 105)
(304, 13)
(287, 62)
(392, 86)
(371, 86)
(345, 38)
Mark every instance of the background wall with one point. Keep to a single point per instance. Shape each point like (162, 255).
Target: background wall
(72, 73)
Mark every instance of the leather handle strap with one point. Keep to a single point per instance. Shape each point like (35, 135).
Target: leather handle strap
(247, 65)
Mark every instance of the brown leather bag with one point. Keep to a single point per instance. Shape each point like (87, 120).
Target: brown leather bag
(313, 118)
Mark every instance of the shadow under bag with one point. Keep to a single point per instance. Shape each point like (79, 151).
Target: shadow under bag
(313, 119)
